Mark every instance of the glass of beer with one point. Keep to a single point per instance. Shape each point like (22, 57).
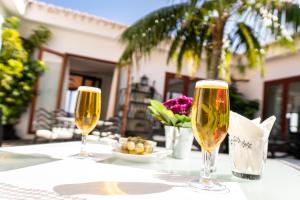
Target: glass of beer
(87, 113)
(210, 121)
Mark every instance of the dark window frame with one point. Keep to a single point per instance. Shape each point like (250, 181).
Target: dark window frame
(186, 80)
(285, 82)
(85, 77)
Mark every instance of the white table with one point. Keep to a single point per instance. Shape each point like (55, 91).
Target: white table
(280, 181)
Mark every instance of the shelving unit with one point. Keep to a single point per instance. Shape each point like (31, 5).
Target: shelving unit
(139, 120)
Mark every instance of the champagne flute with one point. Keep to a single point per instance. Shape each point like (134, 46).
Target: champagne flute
(210, 121)
(87, 113)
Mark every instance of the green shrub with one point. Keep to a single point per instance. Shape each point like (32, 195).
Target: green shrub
(240, 104)
(19, 71)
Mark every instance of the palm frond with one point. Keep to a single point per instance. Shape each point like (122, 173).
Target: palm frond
(191, 35)
(196, 27)
(150, 31)
(176, 42)
(289, 14)
(279, 17)
(247, 42)
(183, 49)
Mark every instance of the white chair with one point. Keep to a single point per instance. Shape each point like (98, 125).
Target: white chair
(55, 134)
(49, 128)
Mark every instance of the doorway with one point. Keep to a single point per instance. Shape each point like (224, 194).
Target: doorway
(76, 80)
(282, 99)
(56, 88)
(87, 72)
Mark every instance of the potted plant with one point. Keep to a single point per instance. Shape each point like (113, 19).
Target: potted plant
(174, 114)
(19, 71)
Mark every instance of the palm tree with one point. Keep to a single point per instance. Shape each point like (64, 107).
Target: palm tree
(215, 31)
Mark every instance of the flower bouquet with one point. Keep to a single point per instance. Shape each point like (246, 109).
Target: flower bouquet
(174, 114)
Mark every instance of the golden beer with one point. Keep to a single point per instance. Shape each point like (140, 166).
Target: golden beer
(210, 113)
(88, 108)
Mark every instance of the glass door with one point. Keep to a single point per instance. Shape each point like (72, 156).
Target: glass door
(49, 88)
(274, 107)
(76, 80)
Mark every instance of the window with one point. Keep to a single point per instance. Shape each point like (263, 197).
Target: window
(282, 99)
(175, 87)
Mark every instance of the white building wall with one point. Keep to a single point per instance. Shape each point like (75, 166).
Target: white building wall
(2, 16)
(66, 40)
(71, 19)
(87, 36)
(155, 69)
(3, 12)
(276, 68)
(15, 7)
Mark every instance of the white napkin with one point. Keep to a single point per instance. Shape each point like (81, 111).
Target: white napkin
(249, 142)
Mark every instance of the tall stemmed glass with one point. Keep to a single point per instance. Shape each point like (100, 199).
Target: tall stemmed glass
(210, 120)
(87, 112)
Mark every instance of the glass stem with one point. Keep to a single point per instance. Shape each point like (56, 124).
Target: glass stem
(207, 162)
(83, 145)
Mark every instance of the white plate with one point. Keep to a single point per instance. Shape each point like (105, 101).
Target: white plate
(157, 154)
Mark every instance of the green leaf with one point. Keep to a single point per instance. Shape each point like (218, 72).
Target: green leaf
(186, 125)
(159, 111)
(156, 115)
(182, 118)
(11, 22)
(168, 114)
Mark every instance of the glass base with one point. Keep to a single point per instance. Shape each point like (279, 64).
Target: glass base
(212, 170)
(246, 176)
(83, 155)
(206, 184)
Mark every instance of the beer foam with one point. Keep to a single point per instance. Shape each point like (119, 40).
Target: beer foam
(212, 83)
(89, 89)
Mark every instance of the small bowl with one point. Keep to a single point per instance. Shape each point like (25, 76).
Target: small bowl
(136, 146)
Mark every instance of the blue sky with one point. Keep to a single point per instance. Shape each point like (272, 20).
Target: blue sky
(124, 11)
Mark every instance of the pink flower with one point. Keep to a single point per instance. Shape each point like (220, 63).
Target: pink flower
(179, 105)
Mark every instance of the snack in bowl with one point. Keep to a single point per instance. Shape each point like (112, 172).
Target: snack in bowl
(136, 146)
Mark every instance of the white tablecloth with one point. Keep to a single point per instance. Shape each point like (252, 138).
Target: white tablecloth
(117, 179)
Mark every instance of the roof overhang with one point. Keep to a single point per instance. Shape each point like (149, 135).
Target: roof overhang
(14, 7)
(65, 18)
